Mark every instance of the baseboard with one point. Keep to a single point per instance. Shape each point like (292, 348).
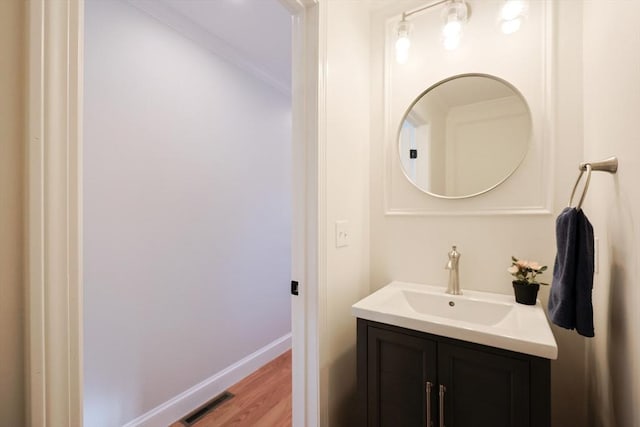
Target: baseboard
(177, 407)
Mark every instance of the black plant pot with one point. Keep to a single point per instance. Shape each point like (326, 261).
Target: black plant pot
(526, 293)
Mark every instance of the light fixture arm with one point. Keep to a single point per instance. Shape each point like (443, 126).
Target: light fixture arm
(420, 9)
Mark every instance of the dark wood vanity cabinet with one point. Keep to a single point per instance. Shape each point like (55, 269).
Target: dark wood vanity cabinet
(405, 376)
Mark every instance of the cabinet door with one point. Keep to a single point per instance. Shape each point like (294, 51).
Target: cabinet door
(398, 368)
(483, 389)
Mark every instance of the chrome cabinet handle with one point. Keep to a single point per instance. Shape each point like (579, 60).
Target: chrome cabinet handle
(443, 390)
(428, 387)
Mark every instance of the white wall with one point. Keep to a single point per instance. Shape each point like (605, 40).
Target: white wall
(611, 111)
(12, 307)
(414, 248)
(486, 133)
(344, 161)
(186, 214)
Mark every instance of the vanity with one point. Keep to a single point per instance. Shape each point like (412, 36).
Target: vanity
(426, 358)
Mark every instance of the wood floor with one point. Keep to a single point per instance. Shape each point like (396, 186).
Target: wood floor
(263, 399)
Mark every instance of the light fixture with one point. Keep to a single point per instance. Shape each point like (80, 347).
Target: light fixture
(455, 14)
(403, 42)
(511, 15)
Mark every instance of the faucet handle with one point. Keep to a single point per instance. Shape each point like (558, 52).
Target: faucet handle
(454, 254)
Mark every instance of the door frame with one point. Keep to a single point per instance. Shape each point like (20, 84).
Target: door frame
(54, 289)
(305, 109)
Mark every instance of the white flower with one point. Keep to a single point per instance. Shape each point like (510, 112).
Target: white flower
(526, 271)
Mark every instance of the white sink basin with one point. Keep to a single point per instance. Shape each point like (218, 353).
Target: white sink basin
(485, 318)
(464, 309)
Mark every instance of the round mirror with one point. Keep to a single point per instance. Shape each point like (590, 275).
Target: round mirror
(464, 136)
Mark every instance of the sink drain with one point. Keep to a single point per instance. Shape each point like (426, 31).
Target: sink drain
(451, 303)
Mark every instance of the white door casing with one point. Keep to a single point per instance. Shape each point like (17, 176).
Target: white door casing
(54, 269)
(305, 237)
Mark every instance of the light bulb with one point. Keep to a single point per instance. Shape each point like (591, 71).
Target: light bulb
(403, 42)
(511, 26)
(512, 9)
(452, 33)
(402, 57)
(452, 29)
(451, 42)
(402, 49)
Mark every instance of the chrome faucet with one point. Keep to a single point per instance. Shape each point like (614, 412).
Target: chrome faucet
(454, 277)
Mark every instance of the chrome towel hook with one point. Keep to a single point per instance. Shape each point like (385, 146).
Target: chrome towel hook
(607, 165)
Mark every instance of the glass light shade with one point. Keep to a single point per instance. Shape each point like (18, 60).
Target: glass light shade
(402, 57)
(454, 15)
(451, 43)
(455, 10)
(512, 9)
(402, 49)
(403, 42)
(511, 26)
(452, 29)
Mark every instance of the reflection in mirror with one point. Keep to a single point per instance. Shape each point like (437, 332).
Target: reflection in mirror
(464, 136)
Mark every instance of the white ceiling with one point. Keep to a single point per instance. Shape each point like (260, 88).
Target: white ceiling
(258, 31)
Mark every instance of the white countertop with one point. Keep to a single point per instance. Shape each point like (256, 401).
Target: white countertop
(485, 318)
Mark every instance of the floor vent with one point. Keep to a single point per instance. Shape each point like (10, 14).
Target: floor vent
(194, 416)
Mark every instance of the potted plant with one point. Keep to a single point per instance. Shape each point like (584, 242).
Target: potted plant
(525, 285)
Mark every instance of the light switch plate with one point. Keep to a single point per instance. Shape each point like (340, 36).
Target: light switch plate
(342, 233)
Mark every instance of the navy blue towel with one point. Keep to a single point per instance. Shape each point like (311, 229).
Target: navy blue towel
(570, 303)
